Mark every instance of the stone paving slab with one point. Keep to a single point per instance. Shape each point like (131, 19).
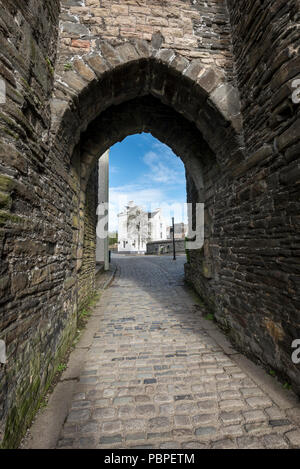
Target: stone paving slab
(154, 377)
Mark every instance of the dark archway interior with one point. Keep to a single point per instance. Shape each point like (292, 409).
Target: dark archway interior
(151, 79)
(144, 114)
(148, 114)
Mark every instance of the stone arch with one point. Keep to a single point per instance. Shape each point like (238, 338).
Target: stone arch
(145, 114)
(142, 114)
(95, 84)
(112, 75)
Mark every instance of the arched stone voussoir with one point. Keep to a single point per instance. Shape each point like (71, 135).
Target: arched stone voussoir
(106, 57)
(58, 109)
(85, 71)
(111, 75)
(165, 56)
(226, 98)
(74, 82)
(220, 95)
(70, 85)
(71, 89)
(204, 76)
(210, 78)
(91, 81)
(115, 56)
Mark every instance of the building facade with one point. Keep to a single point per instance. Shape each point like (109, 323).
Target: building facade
(136, 228)
(180, 231)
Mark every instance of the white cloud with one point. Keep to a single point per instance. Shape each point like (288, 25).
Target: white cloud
(164, 166)
(114, 169)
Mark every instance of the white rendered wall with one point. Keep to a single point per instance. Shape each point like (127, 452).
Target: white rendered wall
(102, 244)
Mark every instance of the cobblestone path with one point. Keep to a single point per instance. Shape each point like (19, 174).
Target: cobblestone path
(155, 378)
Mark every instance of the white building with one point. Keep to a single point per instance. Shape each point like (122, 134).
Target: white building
(137, 227)
(180, 231)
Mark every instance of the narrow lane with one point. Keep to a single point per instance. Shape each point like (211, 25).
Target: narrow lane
(155, 378)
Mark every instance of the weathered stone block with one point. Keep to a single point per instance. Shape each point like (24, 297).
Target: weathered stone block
(75, 30)
(98, 64)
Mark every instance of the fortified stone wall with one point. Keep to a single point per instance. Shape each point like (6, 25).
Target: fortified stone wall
(265, 37)
(253, 271)
(262, 230)
(86, 280)
(165, 247)
(194, 29)
(32, 258)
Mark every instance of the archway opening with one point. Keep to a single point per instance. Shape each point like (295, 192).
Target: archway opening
(147, 187)
(145, 116)
(192, 110)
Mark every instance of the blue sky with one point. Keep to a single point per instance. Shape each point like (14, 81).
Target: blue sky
(144, 170)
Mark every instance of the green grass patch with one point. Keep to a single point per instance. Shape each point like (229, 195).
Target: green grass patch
(50, 66)
(85, 312)
(209, 317)
(68, 66)
(287, 386)
(61, 367)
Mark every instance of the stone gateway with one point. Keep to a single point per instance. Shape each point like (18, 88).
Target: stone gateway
(211, 79)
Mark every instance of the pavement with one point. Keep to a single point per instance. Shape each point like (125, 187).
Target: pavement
(151, 372)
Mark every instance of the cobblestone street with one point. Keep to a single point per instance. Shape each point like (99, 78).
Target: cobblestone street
(155, 377)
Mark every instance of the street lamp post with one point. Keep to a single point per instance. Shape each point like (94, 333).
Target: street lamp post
(173, 239)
